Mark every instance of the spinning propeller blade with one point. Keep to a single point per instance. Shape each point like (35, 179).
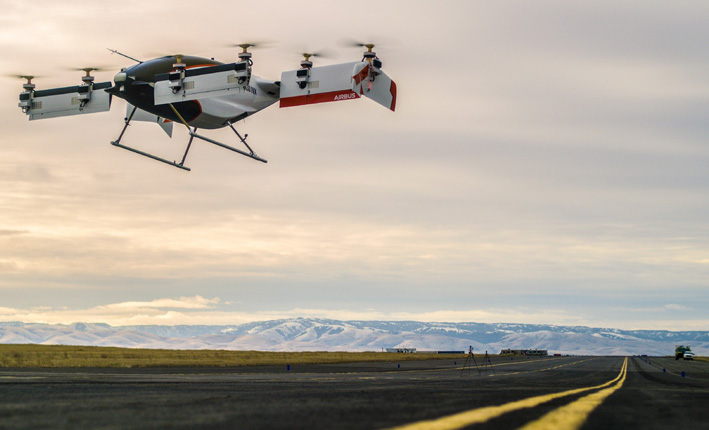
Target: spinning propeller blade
(246, 45)
(319, 54)
(28, 77)
(87, 70)
(27, 86)
(357, 44)
(87, 78)
(245, 55)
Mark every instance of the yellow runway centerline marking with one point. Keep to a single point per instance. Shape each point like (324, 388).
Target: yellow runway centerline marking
(481, 415)
(573, 415)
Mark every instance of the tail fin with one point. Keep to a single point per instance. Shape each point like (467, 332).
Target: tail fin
(374, 84)
(141, 115)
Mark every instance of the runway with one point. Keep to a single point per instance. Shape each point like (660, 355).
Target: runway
(597, 392)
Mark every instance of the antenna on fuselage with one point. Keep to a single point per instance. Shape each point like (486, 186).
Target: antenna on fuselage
(113, 51)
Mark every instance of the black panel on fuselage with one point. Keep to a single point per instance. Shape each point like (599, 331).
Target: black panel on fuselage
(147, 70)
(139, 92)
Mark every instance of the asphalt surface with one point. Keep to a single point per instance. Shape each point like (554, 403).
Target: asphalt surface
(652, 395)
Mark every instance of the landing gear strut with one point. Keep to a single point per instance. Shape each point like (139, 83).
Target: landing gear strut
(193, 133)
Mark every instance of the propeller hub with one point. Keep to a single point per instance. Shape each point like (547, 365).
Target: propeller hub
(245, 55)
(87, 78)
(88, 70)
(307, 63)
(178, 62)
(28, 86)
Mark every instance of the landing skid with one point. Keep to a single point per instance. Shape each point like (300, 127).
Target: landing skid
(154, 157)
(250, 154)
(193, 134)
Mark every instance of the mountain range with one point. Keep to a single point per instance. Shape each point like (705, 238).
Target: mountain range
(309, 334)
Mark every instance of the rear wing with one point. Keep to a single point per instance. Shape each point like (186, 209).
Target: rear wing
(338, 82)
(58, 102)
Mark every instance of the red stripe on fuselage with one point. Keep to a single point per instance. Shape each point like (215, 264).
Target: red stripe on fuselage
(201, 65)
(310, 99)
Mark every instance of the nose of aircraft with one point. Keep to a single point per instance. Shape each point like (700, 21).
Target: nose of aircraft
(120, 77)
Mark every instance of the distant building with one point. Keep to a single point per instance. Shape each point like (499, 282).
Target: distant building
(525, 352)
(415, 351)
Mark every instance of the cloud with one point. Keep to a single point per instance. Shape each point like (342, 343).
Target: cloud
(158, 311)
(676, 307)
(8, 311)
(12, 232)
(660, 309)
(198, 310)
(196, 302)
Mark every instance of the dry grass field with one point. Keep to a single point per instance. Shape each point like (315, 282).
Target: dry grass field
(92, 356)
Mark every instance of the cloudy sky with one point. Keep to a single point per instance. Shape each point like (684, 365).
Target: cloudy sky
(547, 163)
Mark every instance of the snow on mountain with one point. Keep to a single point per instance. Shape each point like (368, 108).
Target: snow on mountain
(307, 334)
(75, 334)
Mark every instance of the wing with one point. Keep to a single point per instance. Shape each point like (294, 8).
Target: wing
(58, 102)
(200, 83)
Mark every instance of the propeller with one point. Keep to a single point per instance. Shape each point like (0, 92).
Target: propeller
(245, 46)
(87, 77)
(27, 85)
(28, 77)
(358, 44)
(88, 70)
(369, 46)
(369, 54)
(319, 54)
(307, 63)
(245, 55)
